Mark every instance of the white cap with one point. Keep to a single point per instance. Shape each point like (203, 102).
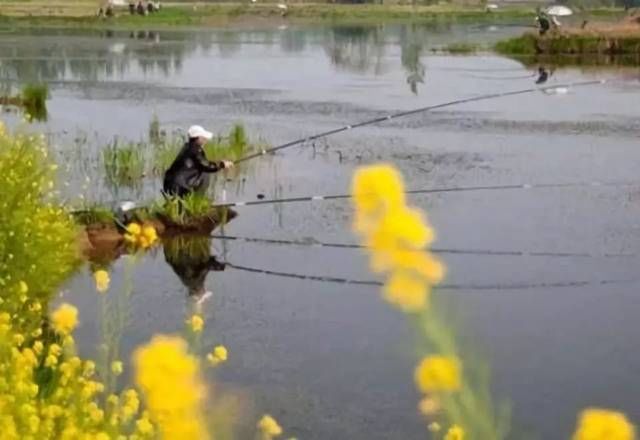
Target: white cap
(196, 131)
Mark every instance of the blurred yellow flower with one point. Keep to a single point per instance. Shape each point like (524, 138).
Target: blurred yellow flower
(407, 292)
(23, 287)
(377, 186)
(269, 427)
(116, 367)
(218, 355)
(454, 433)
(141, 236)
(603, 424)
(102, 280)
(195, 323)
(134, 229)
(438, 373)
(429, 406)
(434, 427)
(170, 380)
(65, 319)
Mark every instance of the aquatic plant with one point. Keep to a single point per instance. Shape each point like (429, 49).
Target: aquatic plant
(124, 164)
(183, 211)
(93, 214)
(34, 101)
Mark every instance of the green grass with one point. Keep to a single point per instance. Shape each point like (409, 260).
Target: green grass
(34, 101)
(559, 44)
(182, 211)
(124, 164)
(94, 214)
(231, 147)
(82, 14)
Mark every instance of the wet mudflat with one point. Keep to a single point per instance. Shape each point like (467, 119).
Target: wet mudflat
(332, 360)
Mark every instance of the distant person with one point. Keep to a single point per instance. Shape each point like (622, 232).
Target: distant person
(150, 8)
(189, 171)
(543, 22)
(109, 12)
(140, 9)
(132, 8)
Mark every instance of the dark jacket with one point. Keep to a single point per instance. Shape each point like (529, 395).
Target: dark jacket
(188, 172)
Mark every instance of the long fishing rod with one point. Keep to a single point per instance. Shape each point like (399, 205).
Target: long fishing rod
(497, 286)
(425, 191)
(435, 250)
(413, 112)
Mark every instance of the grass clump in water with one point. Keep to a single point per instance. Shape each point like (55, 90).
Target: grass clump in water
(94, 214)
(34, 101)
(124, 164)
(182, 211)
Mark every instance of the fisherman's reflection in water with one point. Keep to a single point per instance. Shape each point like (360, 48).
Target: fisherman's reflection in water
(191, 260)
(543, 75)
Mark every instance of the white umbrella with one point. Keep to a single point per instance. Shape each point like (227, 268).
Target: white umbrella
(559, 11)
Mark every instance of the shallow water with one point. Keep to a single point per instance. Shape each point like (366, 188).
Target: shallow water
(332, 360)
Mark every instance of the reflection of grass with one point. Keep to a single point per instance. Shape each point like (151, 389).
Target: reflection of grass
(123, 164)
(461, 48)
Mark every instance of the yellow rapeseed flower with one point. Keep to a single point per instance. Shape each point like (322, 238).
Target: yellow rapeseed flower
(408, 292)
(23, 287)
(429, 406)
(454, 433)
(603, 424)
(116, 367)
(219, 355)
(170, 380)
(377, 186)
(65, 319)
(195, 323)
(102, 280)
(438, 374)
(269, 427)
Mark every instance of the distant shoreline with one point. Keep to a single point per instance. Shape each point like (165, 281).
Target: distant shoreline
(17, 13)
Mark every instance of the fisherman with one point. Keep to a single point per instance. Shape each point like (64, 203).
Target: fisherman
(543, 22)
(140, 8)
(188, 172)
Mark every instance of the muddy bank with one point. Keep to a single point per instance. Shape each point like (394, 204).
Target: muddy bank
(105, 241)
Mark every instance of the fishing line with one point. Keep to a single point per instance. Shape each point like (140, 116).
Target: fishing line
(424, 191)
(413, 112)
(434, 250)
(472, 286)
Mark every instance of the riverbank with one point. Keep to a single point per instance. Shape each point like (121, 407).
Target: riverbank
(83, 14)
(598, 39)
